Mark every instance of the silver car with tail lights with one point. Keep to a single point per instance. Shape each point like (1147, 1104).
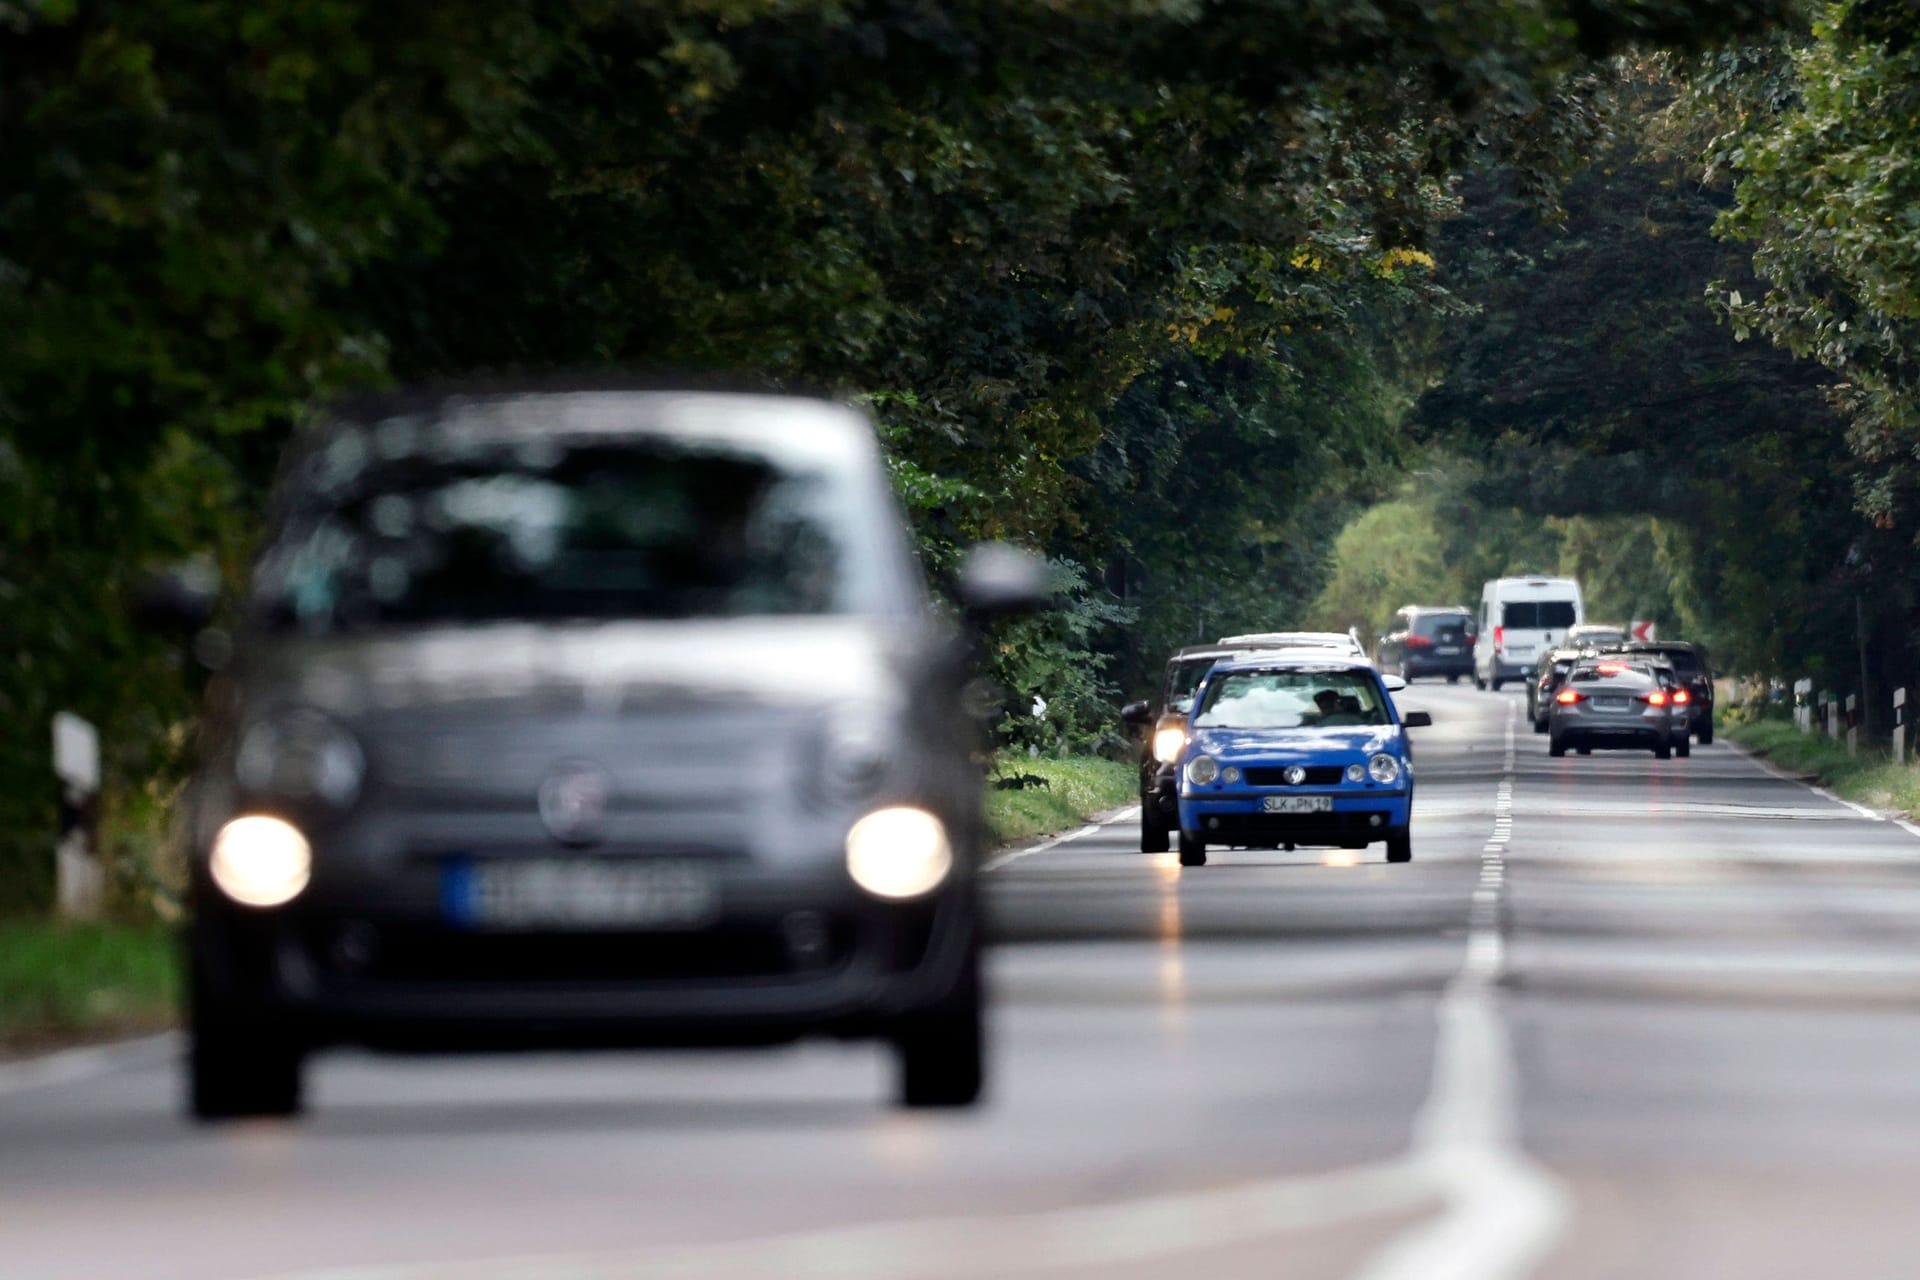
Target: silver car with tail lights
(1610, 703)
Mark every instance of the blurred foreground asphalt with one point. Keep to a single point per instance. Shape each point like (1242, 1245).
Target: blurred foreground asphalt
(1620, 1018)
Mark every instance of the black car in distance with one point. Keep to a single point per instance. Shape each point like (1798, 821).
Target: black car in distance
(1161, 725)
(1548, 675)
(575, 718)
(1427, 640)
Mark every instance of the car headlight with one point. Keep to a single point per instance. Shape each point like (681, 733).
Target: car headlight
(1230, 774)
(899, 852)
(1168, 743)
(301, 755)
(1384, 769)
(261, 861)
(1202, 770)
(1356, 773)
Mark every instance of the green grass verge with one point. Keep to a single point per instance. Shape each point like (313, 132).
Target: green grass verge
(64, 982)
(1076, 787)
(1871, 778)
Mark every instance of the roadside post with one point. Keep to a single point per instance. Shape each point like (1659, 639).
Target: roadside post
(1853, 726)
(1803, 706)
(79, 881)
(1899, 726)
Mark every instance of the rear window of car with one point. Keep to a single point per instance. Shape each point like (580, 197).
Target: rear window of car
(1440, 626)
(1538, 614)
(1682, 661)
(1612, 671)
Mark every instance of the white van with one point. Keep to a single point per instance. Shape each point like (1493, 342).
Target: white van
(1521, 618)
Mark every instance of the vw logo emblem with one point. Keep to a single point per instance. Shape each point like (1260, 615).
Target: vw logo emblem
(1295, 775)
(573, 801)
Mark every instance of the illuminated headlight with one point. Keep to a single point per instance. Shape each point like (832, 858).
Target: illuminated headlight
(1202, 770)
(1356, 773)
(1168, 742)
(301, 755)
(1230, 774)
(899, 853)
(260, 861)
(1384, 769)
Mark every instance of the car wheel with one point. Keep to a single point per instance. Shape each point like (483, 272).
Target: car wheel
(1540, 725)
(1496, 682)
(1683, 748)
(1556, 746)
(1193, 852)
(1585, 751)
(1706, 734)
(1454, 678)
(235, 1068)
(1153, 836)
(1400, 845)
(941, 1050)
(1663, 752)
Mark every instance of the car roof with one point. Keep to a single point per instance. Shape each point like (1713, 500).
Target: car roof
(1332, 638)
(1301, 660)
(1435, 608)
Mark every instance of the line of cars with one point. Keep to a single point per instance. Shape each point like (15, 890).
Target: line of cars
(1272, 740)
(1652, 694)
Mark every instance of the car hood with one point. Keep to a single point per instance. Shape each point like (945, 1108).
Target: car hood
(609, 668)
(1309, 744)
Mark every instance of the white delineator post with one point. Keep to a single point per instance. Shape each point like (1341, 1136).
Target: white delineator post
(1899, 729)
(79, 881)
(1803, 705)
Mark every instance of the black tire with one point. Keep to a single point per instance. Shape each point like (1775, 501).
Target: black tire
(1706, 733)
(1663, 752)
(1540, 725)
(1193, 852)
(236, 1069)
(1497, 681)
(1478, 683)
(1683, 748)
(1399, 845)
(1154, 838)
(1556, 746)
(1585, 751)
(1454, 678)
(941, 1050)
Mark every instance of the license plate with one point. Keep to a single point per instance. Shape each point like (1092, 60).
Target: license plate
(1446, 650)
(579, 893)
(1609, 704)
(1297, 804)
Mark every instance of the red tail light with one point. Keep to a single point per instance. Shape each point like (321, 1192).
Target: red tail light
(1419, 642)
(1681, 697)
(1499, 637)
(1657, 698)
(1567, 697)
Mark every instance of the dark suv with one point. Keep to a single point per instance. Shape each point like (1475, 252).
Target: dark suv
(1548, 675)
(586, 718)
(1427, 640)
(1692, 670)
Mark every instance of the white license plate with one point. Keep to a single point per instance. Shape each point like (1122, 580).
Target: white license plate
(1446, 650)
(580, 893)
(1297, 804)
(1609, 704)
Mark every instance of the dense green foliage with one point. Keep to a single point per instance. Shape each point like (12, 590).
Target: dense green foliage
(1080, 255)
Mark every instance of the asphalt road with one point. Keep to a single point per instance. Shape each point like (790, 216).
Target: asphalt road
(1620, 1018)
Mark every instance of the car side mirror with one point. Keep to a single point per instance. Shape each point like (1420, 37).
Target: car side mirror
(1394, 684)
(1416, 720)
(1137, 715)
(180, 599)
(999, 580)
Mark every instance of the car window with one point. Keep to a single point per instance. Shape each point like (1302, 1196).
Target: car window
(1183, 678)
(1618, 672)
(1538, 614)
(1290, 700)
(1448, 628)
(658, 528)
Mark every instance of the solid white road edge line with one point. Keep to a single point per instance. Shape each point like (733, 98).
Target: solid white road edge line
(1053, 842)
(67, 1065)
(1767, 767)
(1504, 1212)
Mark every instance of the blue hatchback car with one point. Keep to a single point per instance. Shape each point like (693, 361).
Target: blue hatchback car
(1296, 750)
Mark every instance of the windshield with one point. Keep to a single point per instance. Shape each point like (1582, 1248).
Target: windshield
(1445, 627)
(1183, 678)
(1291, 700)
(657, 528)
(1538, 614)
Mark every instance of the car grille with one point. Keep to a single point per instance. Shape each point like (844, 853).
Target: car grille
(1318, 775)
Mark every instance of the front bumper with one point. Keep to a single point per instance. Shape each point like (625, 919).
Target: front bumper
(786, 956)
(1240, 818)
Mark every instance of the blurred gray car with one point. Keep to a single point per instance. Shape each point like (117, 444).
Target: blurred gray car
(1609, 703)
(587, 718)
